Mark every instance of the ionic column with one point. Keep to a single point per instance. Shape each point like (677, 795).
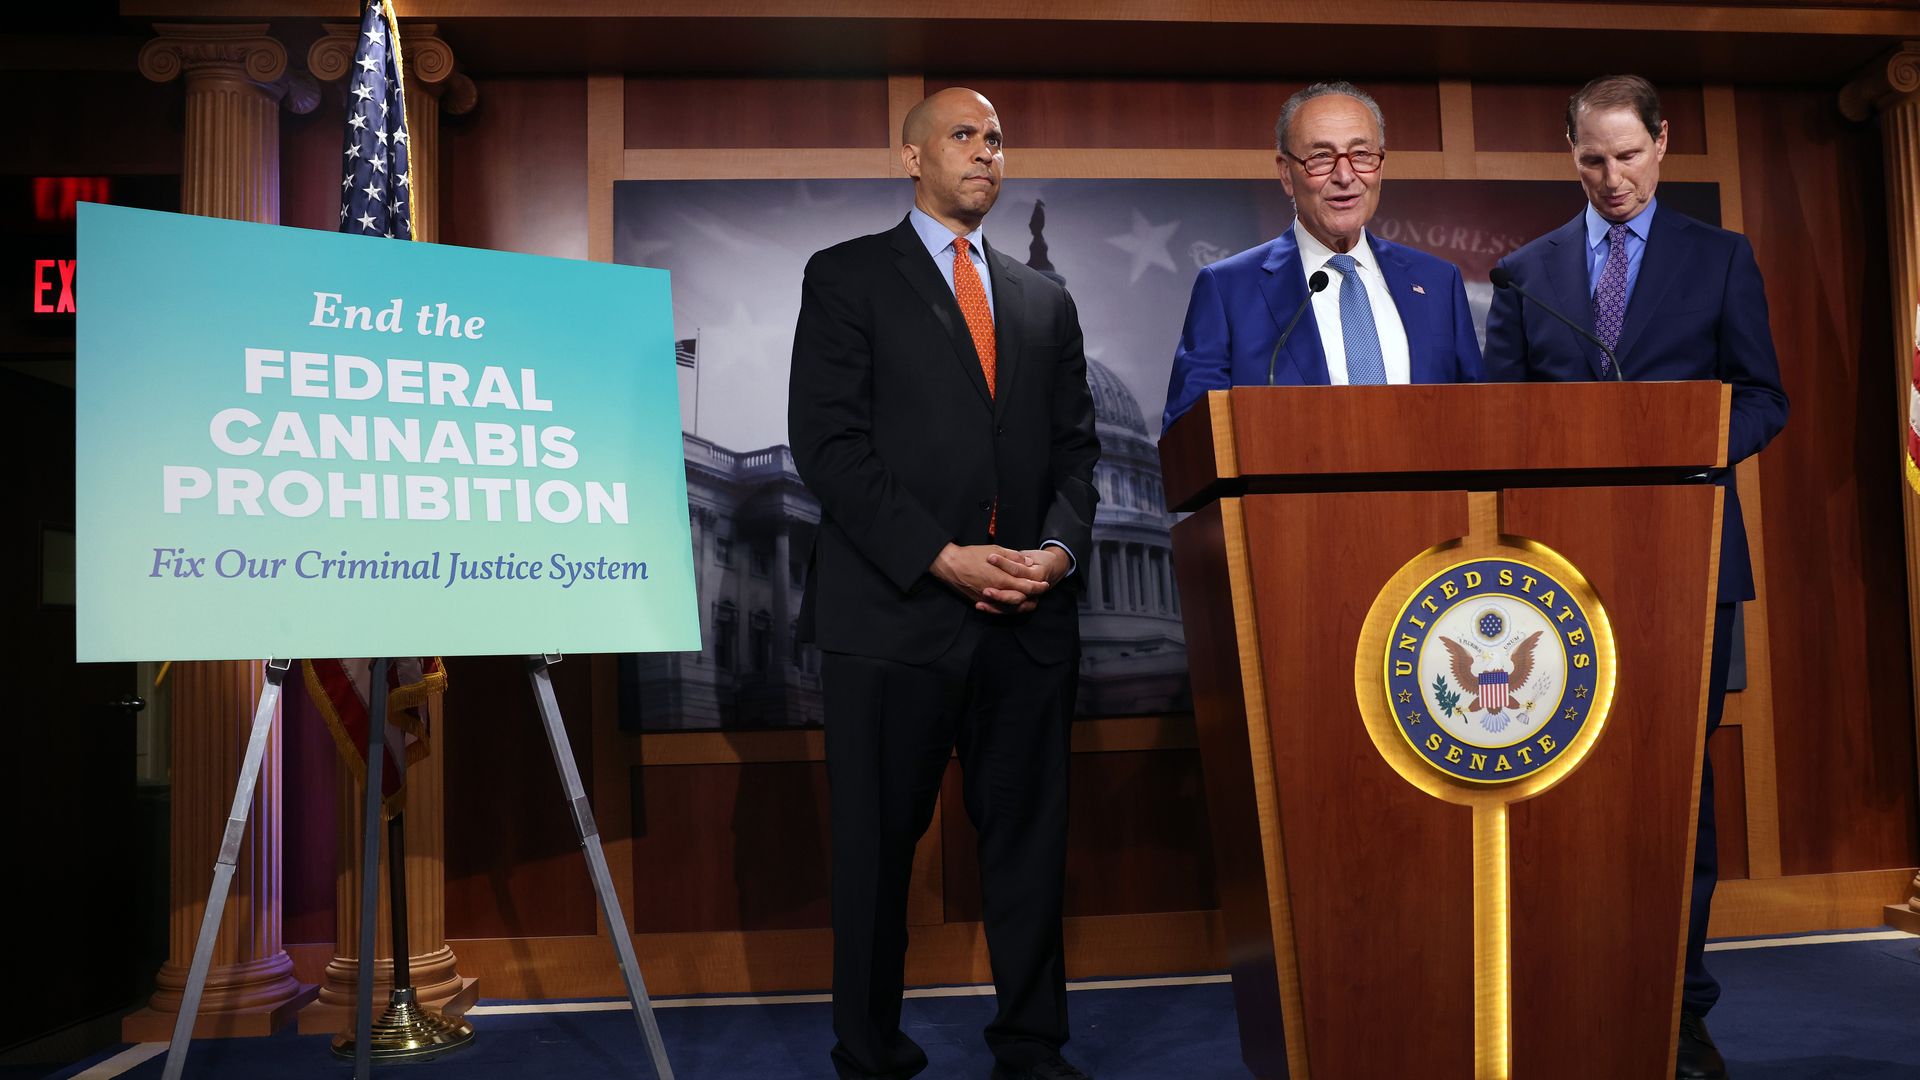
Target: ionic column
(236, 80)
(1889, 89)
(250, 988)
(431, 961)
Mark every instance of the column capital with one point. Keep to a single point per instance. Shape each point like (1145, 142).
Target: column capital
(1885, 82)
(428, 60)
(330, 57)
(235, 49)
(431, 61)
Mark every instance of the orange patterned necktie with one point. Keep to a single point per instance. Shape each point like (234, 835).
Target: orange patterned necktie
(973, 306)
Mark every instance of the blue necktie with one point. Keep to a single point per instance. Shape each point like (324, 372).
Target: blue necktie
(1366, 364)
(1610, 294)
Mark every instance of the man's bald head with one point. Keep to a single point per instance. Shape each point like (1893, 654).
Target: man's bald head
(950, 146)
(923, 117)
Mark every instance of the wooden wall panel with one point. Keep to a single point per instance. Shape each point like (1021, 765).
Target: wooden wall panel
(514, 866)
(1176, 114)
(1137, 837)
(1835, 563)
(1727, 749)
(1533, 116)
(513, 172)
(730, 847)
(1143, 843)
(678, 114)
(310, 148)
(1890, 4)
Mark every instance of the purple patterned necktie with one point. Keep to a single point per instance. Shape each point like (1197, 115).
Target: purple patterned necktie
(1610, 295)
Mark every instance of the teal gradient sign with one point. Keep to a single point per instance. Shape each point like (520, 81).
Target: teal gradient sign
(305, 444)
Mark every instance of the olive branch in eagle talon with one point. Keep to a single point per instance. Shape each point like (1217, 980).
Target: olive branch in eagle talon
(1446, 698)
(1461, 666)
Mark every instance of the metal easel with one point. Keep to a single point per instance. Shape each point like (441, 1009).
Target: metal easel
(223, 868)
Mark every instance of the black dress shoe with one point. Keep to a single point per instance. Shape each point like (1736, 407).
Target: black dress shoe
(1699, 1059)
(1053, 1068)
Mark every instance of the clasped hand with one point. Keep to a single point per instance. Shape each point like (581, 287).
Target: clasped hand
(1000, 581)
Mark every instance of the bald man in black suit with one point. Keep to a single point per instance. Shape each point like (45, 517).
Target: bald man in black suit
(939, 410)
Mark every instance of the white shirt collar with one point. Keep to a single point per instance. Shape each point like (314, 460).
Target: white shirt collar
(1314, 254)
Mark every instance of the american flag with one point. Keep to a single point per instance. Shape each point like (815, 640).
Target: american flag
(374, 197)
(376, 200)
(341, 689)
(684, 350)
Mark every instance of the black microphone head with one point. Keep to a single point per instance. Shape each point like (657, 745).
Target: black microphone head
(1317, 282)
(1501, 278)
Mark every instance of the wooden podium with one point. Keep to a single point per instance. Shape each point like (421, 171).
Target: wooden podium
(1390, 915)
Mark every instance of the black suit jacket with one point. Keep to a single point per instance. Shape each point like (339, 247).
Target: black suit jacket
(894, 432)
(1698, 311)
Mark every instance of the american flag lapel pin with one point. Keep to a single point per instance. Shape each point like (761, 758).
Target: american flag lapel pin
(1421, 289)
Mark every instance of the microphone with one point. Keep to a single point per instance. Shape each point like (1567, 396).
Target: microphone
(1314, 284)
(1503, 279)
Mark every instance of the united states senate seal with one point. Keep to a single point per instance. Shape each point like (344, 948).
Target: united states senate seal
(1493, 666)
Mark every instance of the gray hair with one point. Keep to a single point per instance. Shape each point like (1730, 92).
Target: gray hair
(1326, 89)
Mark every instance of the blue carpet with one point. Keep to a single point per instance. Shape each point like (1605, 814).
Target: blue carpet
(1839, 1011)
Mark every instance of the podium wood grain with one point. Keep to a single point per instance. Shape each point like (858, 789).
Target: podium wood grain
(1381, 874)
(1601, 863)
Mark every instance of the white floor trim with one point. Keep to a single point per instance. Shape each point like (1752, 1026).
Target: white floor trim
(1807, 939)
(539, 1007)
(132, 1056)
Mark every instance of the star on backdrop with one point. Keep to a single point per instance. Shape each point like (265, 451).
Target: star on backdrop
(1147, 244)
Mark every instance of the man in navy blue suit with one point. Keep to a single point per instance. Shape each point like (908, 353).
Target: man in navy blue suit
(1673, 298)
(1388, 314)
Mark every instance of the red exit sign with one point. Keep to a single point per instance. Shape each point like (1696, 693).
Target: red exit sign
(54, 201)
(53, 286)
(54, 196)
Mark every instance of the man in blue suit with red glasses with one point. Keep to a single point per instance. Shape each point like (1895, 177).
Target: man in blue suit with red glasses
(1383, 313)
(1672, 298)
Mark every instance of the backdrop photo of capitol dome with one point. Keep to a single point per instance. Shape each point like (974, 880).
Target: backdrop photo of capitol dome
(1127, 250)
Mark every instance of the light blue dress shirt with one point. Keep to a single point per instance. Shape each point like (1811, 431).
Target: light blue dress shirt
(939, 241)
(1637, 228)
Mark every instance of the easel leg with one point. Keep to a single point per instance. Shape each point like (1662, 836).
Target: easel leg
(370, 868)
(223, 868)
(597, 861)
